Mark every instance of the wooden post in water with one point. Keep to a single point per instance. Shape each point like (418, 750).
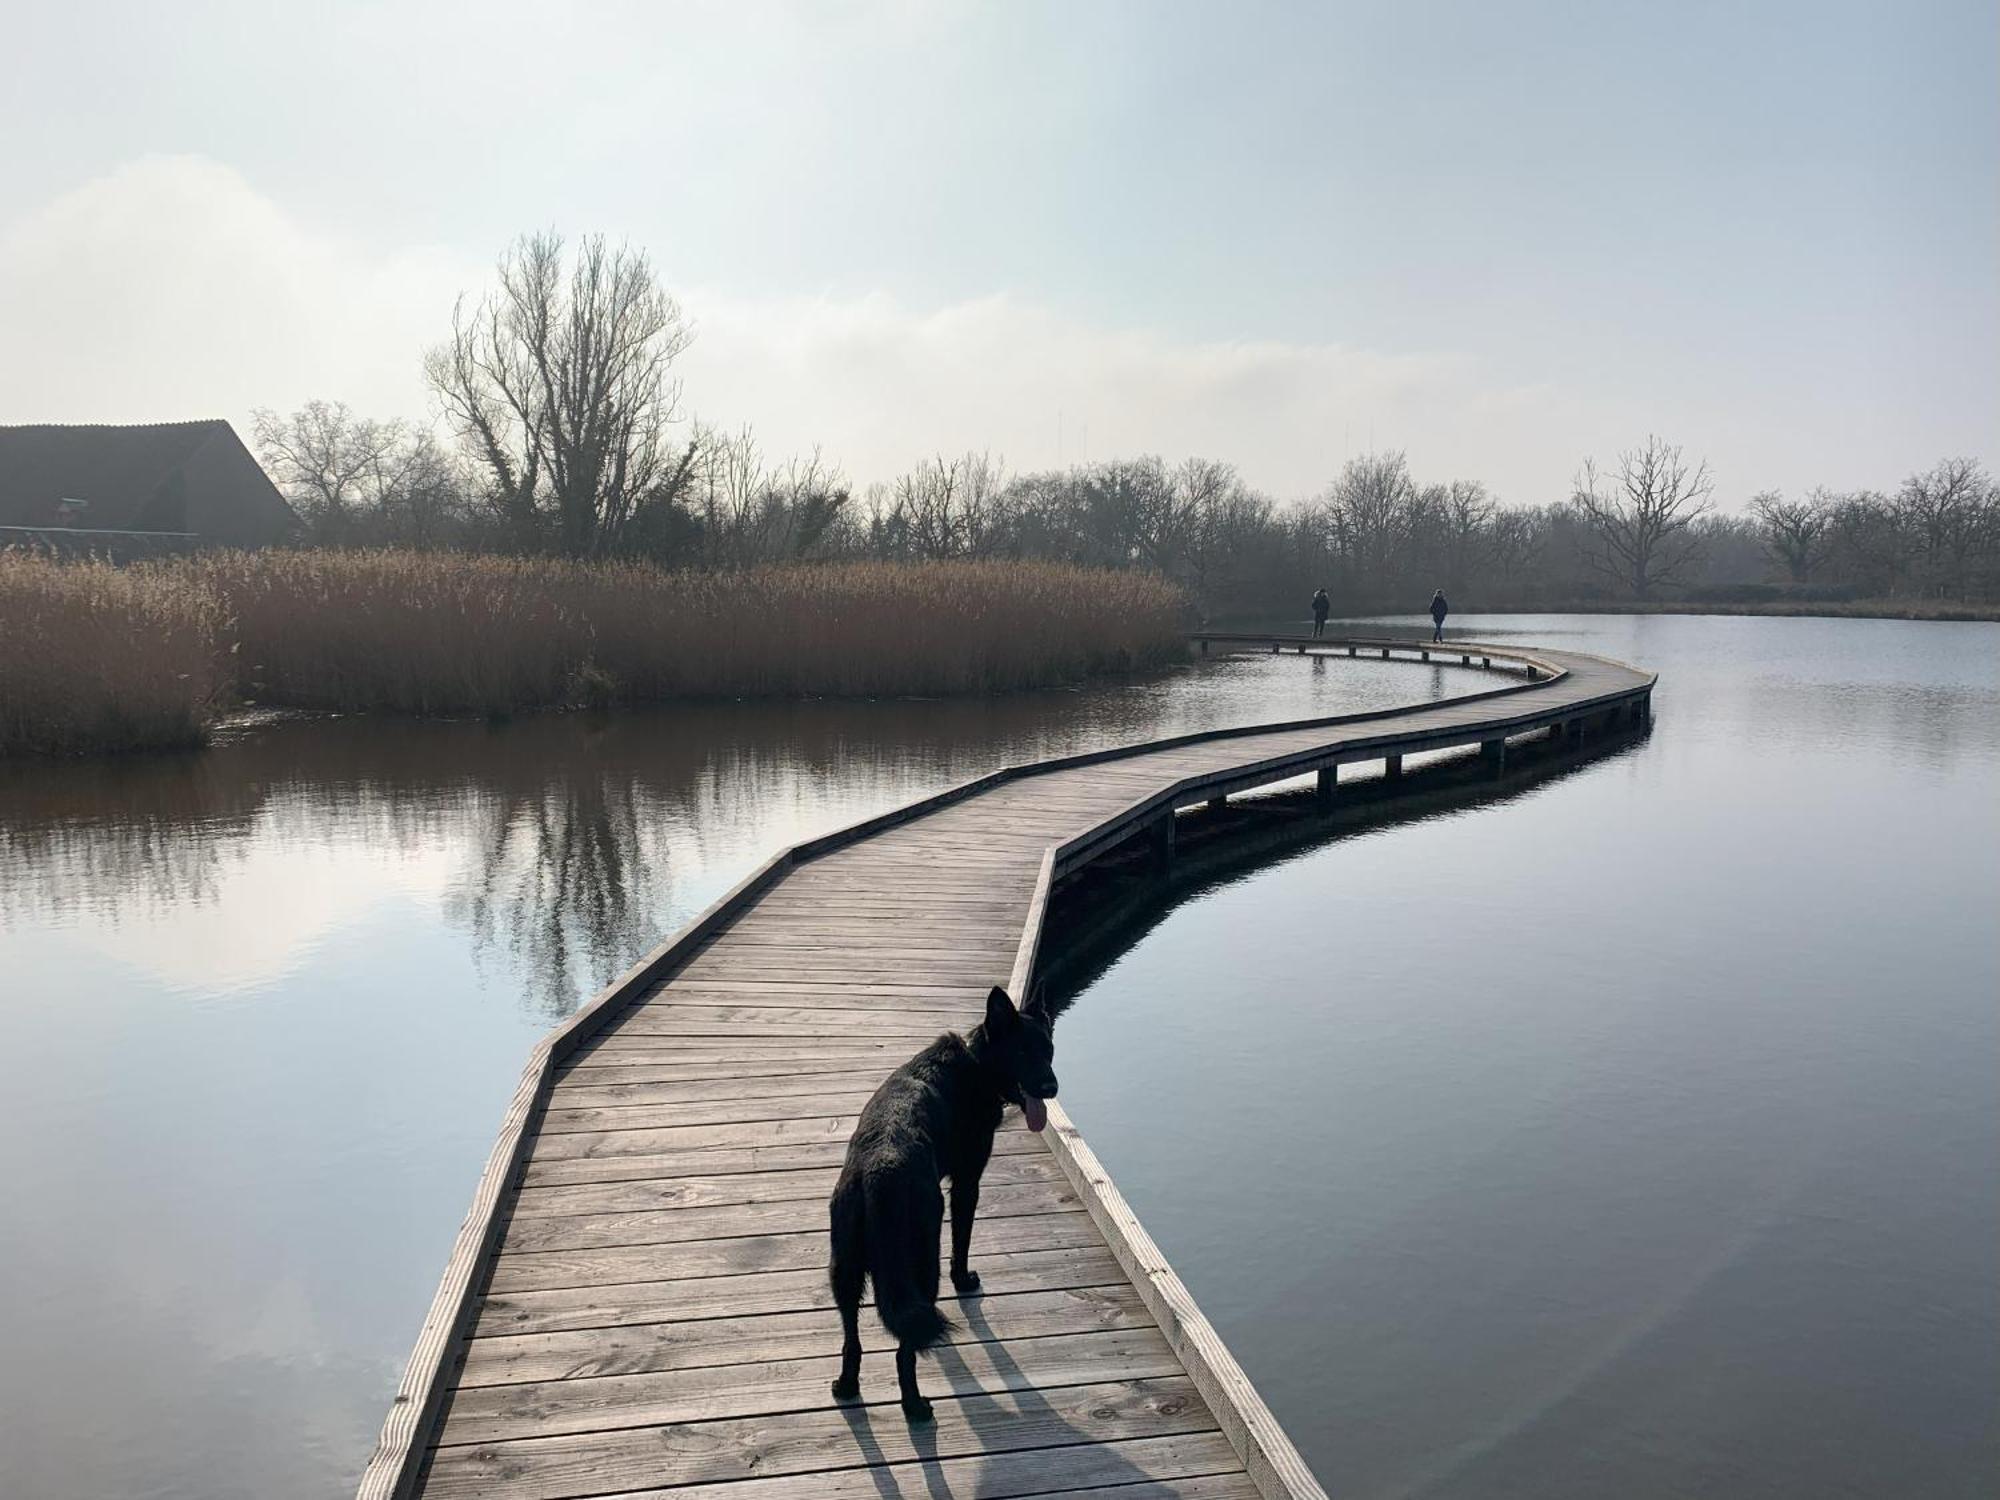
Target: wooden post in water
(1494, 753)
(1486, 662)
(1392, 767)
(1163, 842)
(1219, 801)
(1329, 779)
(1350, 650)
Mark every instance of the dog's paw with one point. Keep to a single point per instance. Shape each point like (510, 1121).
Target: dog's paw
(846, 1390)
(917, 1409)
(965, 1282)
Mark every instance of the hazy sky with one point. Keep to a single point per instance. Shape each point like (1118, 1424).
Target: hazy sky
(1500, 236)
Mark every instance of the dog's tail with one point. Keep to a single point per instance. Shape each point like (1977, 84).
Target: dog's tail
(896, 1235)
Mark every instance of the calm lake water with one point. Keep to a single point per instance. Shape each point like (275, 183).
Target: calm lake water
(1634, 1134)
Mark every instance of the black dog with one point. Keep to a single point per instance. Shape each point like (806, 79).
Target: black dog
(932, 1118)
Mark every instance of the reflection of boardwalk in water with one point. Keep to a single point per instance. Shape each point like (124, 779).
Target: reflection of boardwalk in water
(638, 1300)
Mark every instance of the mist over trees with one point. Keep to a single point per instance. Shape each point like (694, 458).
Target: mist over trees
(565, 435)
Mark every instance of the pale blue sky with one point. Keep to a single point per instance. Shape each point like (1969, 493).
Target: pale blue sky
(1500, 236)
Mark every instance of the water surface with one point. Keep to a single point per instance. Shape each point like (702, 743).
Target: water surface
(1636, 1135)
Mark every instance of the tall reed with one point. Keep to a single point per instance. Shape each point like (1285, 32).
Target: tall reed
(98, 657)
(449, 633)
(94, 657)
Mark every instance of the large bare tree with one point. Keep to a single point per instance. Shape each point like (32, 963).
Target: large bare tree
(559, 383)
(330, 463)
(1639, 520)
(1794, 532)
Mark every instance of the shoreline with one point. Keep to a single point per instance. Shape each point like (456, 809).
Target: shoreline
(1860, 609)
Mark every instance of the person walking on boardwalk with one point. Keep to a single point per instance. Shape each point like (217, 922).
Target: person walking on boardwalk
(1439, 609)
(1321, 604)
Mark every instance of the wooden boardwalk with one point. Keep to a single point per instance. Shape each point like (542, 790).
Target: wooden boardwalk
(637, 1303)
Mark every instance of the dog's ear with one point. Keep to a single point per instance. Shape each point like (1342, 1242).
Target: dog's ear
(1037, 1008)
(1001, 1017)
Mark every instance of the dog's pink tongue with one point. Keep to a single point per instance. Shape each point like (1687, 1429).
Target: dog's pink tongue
(1035, 1112)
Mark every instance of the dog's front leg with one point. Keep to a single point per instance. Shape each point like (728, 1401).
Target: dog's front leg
(964, 1204)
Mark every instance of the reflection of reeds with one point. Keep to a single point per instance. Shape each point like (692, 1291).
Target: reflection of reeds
(443, 633)
(95, 657)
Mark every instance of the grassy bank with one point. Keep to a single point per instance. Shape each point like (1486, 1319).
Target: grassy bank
(103, 658)
(431, 633)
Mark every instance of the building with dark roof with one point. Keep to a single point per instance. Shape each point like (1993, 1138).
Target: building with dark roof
(167, 486)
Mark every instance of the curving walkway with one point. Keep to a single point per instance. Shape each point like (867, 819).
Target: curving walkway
(637, 1302)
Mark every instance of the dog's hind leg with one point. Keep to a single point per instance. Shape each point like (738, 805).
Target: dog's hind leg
(848, 1274)
(964, 1204)
(930, 1219)
(915, 1407)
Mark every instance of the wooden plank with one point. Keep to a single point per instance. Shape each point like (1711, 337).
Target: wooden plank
(574, 1092)
(531, 1270)
(515, 1359)
(603, 1143)
(607, 1071)
(1198, 1466)
(595, 1117)
(558, 1309)
(668, 1025)
(815, 1441)
(675, 1225)
(711, 1161)
(741, 1187)
(557, 1408)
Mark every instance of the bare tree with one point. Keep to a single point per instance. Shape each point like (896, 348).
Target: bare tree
(329, 463)
(1794, 531)
(560, 385)
(1464, 512)
(941, 508)
(1948, 511)
(1639, 520)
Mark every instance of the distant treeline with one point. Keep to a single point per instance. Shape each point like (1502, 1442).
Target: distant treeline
(1377, 538)
(565, 437)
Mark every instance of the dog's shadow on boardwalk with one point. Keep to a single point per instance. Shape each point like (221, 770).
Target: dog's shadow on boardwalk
(986, 1402)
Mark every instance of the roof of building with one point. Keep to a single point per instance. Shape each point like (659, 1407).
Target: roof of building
(116, 470)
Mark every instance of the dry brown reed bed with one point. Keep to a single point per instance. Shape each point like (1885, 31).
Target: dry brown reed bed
(442, 633)
(94, 657)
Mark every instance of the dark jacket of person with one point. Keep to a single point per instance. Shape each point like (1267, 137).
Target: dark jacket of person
(1321, 604)
(1439, 609)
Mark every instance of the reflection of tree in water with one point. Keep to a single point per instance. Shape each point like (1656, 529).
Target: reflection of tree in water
(564, 882)
(107, 835)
